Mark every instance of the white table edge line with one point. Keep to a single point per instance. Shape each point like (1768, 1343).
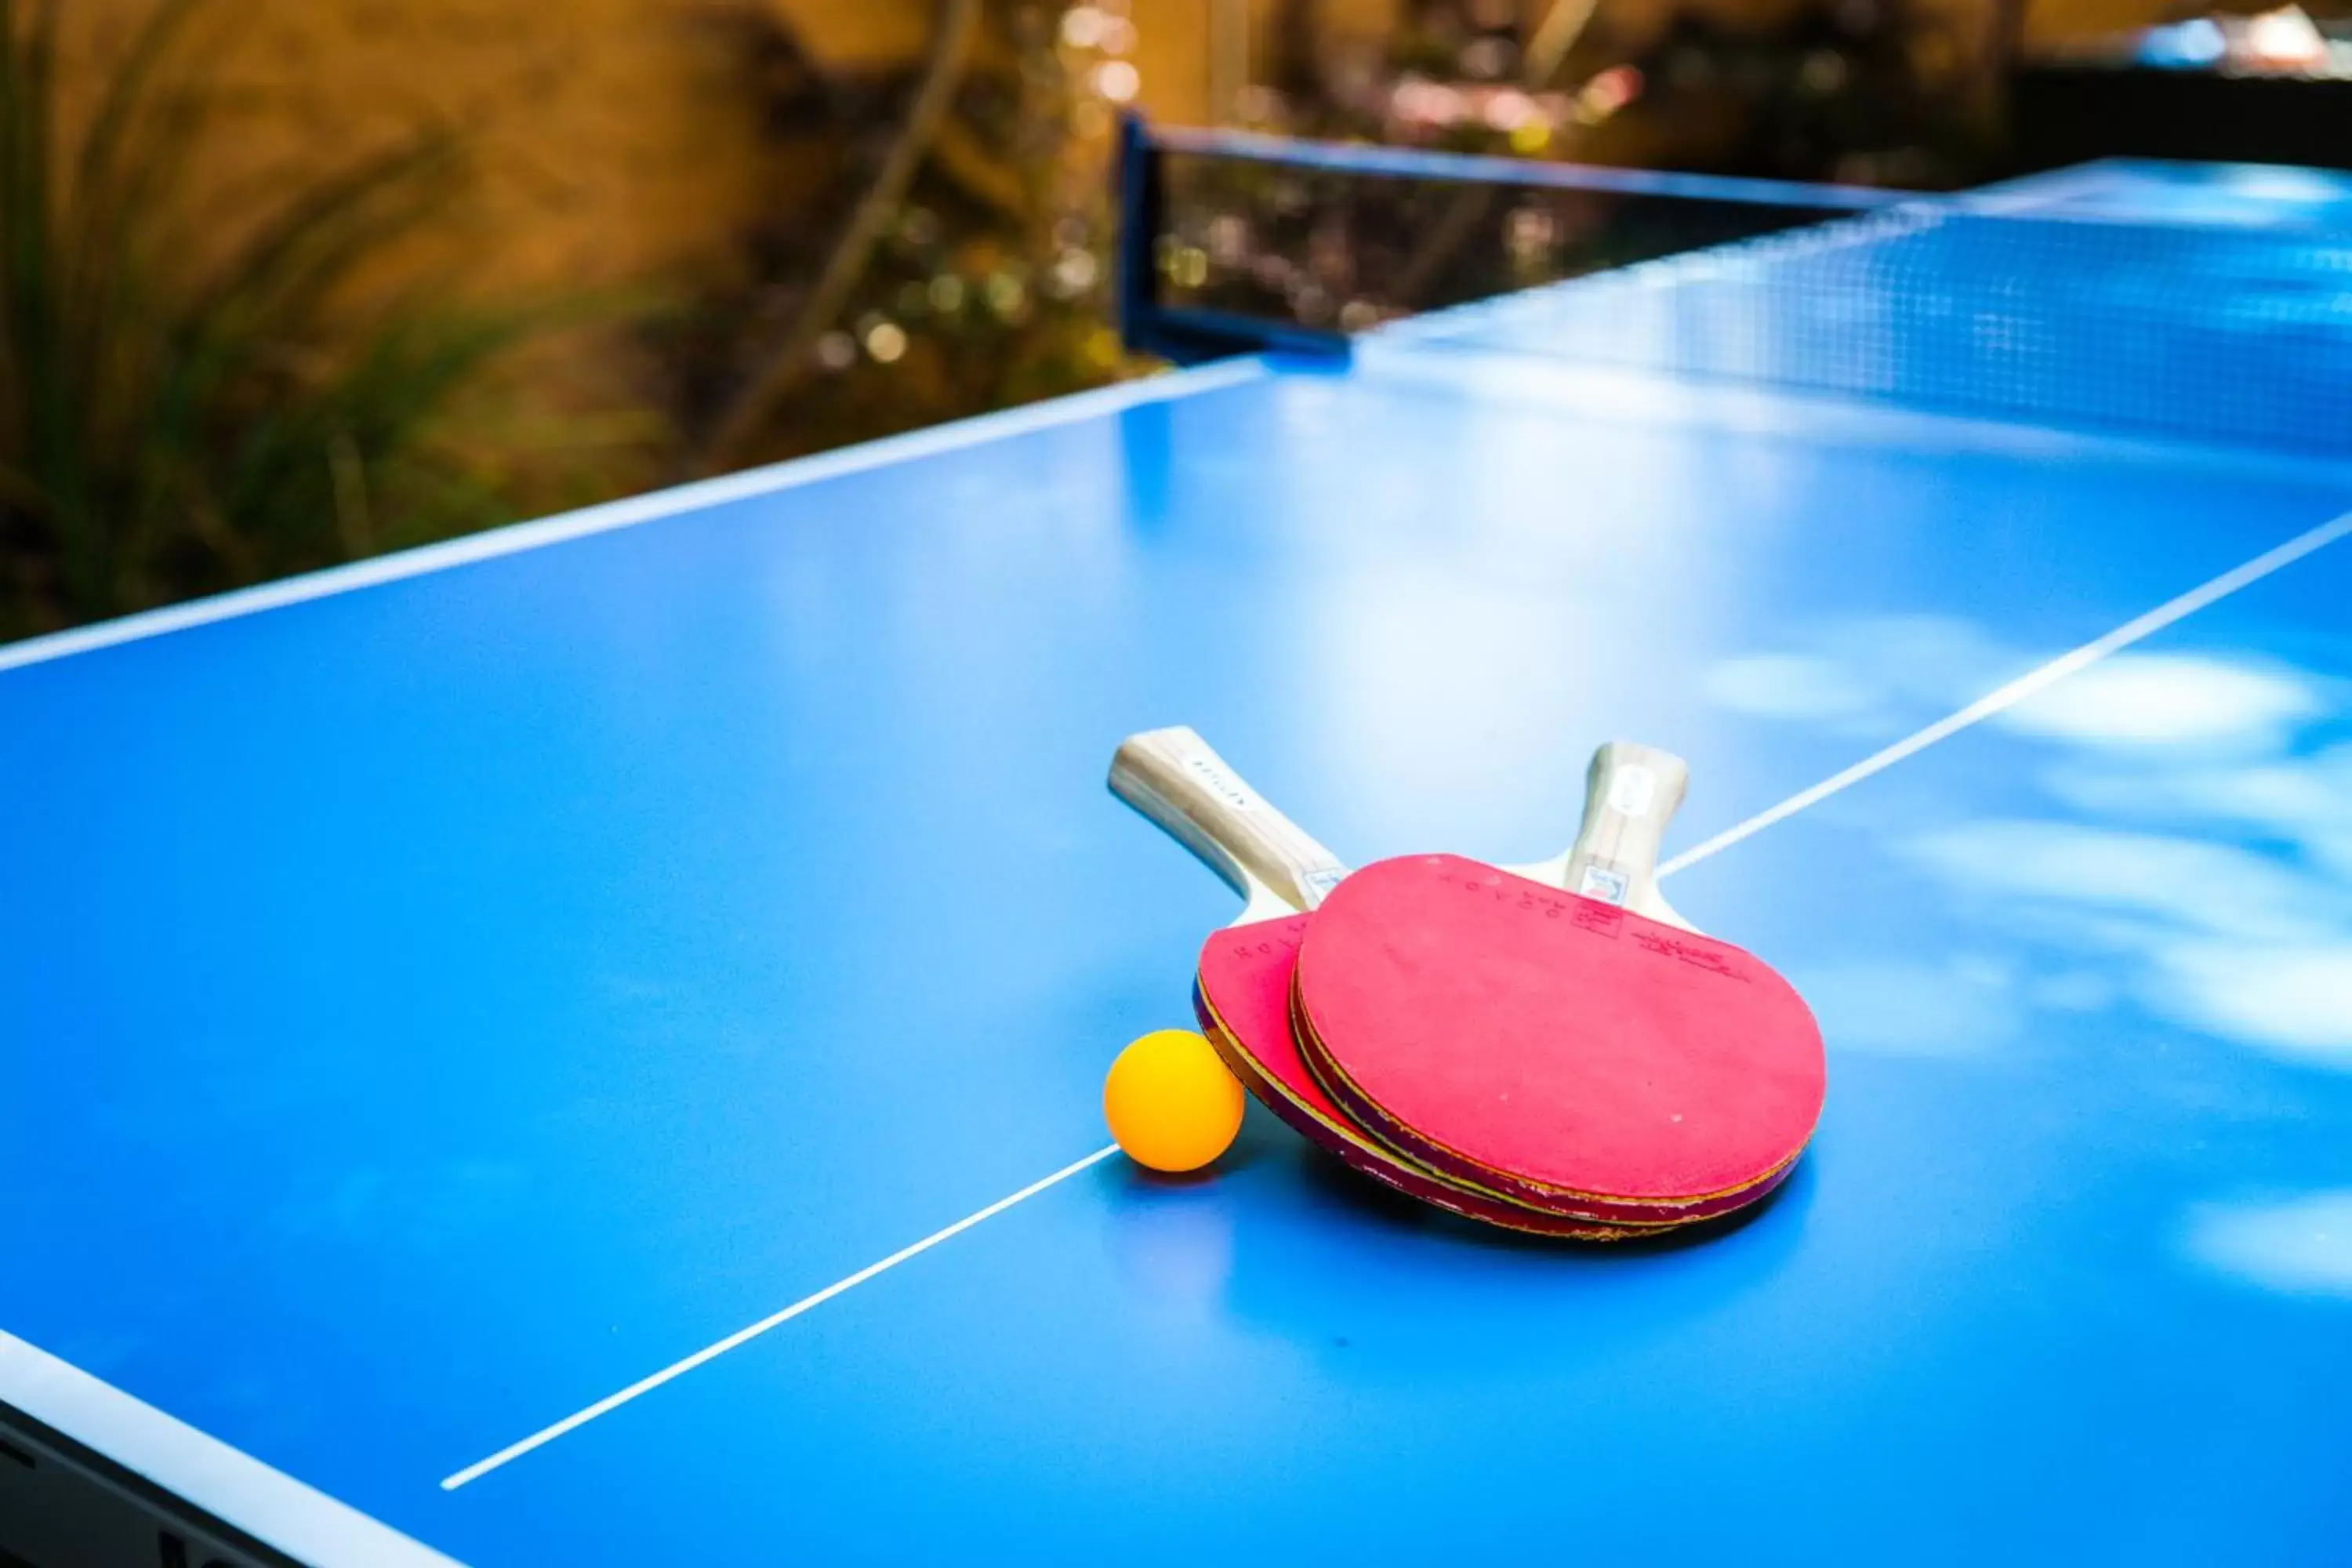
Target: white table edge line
(606, 517)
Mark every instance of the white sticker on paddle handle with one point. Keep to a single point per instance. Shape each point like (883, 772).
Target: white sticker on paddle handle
(1603, 883)
(1630, 792)
(1633, 790)
(1317, 881)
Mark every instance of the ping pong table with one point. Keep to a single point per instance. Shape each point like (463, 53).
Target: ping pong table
(583, 1045)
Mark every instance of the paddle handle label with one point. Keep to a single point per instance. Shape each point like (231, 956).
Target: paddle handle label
(1631, 792)
(1209, 772)
(1605, 883)
(1173, 778)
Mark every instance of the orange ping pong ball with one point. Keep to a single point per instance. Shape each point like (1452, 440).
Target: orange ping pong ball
(1171, 1104)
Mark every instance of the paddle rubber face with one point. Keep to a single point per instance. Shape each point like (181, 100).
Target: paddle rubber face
(1242, 999)
(1243, 992)
(1553, 1047)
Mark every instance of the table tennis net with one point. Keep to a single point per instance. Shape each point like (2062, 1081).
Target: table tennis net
(2229, 336)
(1305, 240)
(2233, 336)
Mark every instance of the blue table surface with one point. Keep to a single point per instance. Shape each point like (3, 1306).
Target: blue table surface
(2151, 190)
(431, 1006)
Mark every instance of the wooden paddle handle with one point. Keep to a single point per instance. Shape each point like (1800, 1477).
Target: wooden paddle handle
(1630, 795)
(1172, 777)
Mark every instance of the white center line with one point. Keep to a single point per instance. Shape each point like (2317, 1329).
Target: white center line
(676, 1369)
(2025, 686)
(1984, 706)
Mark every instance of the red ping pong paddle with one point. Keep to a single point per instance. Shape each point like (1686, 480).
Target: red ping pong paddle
(1555, 1047)
(1242, 989)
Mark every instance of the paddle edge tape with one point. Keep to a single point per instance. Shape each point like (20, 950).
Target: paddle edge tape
(1265, 958)
(1453, 1167)
(1385, 1166)
(1391, 1174)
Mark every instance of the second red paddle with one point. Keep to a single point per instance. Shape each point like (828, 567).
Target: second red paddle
(1557, 1048)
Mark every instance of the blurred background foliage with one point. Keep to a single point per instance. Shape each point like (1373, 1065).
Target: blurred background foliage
(285, 283)
(187, 405)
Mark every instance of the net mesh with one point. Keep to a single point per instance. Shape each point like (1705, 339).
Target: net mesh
(1340, 249)
(2225, 335)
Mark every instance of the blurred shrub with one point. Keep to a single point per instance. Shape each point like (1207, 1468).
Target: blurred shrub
(945, 249)
(179, 415)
